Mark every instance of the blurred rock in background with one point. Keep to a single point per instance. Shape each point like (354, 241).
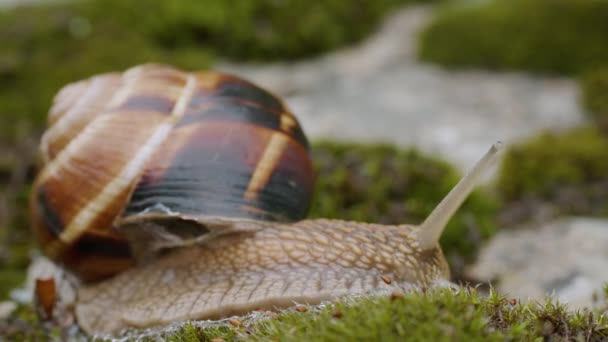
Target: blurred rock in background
(565, 258)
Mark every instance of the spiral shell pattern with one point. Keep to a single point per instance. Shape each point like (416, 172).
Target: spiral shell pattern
(156, 141)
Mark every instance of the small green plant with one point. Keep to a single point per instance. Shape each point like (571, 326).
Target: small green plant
(383, 184)
(595, 95)
(554, 36)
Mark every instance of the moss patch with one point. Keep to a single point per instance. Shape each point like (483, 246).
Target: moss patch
(595, 95)
(438, 315)
(383, 184)
(565, 170)
(44, 48)
(248, 29)
(15, 246)
(555, 36)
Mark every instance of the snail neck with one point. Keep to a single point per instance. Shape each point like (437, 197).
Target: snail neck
(434, 225)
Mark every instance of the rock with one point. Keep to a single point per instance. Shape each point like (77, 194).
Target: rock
(377, 91)
(7, 308)
(566, 257)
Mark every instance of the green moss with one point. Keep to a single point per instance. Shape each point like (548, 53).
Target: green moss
(15, 245)
(380, 183)
(556, 36)
(46, 47)
(568, 170)
(595, 95)
(251, 29)
(11, 278)
(438, 315)
(24, 325)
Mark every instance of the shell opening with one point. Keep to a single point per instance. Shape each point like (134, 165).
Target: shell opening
(150, 235)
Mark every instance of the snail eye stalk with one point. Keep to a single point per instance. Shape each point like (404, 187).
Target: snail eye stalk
(432, 228)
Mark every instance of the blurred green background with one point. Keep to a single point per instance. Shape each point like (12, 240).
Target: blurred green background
(45, 46)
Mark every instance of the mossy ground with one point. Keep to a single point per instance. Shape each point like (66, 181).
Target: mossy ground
(595, 95)
(437, 315)
(565, 171)
(548, 36)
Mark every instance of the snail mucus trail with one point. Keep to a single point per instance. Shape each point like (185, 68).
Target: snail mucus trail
(176, 196)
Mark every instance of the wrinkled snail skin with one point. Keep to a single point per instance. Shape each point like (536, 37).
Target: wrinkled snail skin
(306, 262)
(177, 196)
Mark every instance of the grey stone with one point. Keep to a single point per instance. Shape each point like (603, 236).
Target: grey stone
(567, 257)
(7, 308)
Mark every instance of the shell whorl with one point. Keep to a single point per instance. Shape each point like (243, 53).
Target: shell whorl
(158, 141)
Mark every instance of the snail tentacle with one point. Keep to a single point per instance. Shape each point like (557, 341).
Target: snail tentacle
(432, 228)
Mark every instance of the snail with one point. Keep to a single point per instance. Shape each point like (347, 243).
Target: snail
(177, 195)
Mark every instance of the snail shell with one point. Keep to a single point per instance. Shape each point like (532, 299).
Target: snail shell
(216, 168)
(154, 148)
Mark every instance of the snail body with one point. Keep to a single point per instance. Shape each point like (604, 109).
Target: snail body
(308, 261)
(183, 236)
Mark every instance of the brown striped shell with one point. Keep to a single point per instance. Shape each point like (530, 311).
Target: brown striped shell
(153, 146)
